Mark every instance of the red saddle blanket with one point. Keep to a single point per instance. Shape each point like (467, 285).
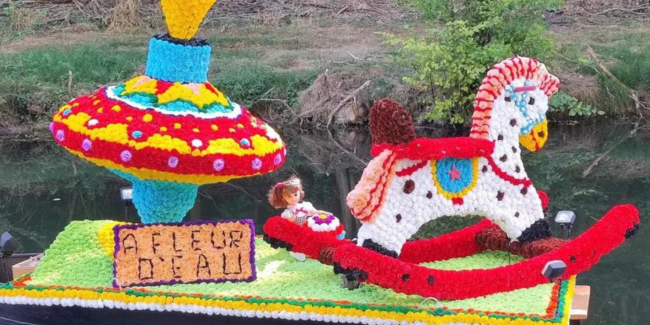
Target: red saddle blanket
(438, 149)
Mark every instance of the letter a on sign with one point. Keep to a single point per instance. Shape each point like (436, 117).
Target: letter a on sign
(206, 251)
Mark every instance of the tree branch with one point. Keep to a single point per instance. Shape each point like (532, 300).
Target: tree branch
(345, 100)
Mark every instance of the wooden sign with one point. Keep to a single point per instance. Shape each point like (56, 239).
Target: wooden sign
(207, 251)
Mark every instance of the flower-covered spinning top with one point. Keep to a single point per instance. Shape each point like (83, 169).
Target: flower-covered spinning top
(170, 130)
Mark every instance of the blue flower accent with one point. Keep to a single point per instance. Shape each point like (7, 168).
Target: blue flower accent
(180, 106)
(160, 201)
(178, 63)
(217, 108)
(136, 134)
(454, 175)
(521, 102)
(67, 112)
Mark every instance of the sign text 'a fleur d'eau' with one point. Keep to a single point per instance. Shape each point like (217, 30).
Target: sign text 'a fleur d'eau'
(207, 251)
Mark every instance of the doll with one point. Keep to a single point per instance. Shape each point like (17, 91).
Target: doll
(288, 195)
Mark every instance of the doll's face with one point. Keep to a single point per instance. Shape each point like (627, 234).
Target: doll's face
(292, 198)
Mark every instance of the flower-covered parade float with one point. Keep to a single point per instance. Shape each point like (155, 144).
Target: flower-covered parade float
(170, 131)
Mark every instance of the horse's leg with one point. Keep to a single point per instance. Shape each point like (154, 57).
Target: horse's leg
(517, 211)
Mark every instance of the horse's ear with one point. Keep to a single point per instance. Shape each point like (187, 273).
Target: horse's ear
(390, 123)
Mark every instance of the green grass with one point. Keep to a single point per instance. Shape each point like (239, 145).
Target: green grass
(39, 77)
(76, 259)
(631, 60)
(623, 49)
(247, 85)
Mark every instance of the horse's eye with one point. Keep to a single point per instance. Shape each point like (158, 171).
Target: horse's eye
(508, 99)
(531, 101)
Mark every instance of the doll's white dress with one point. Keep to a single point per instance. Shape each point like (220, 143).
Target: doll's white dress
(301, 212)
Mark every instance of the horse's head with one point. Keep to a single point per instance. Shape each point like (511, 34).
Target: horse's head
(514, 97)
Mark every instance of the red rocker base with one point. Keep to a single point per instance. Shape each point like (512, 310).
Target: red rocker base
(405, 275)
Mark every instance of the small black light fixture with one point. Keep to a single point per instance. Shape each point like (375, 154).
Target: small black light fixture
(8, 245)
(554, 269)
(566, 219)
(126, 195)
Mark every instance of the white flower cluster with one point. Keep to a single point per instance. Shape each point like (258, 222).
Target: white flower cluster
(312, 222)
(194, 309)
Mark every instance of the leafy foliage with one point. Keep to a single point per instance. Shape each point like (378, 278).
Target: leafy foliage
(567, 104)
(466, 39)
(247, 85)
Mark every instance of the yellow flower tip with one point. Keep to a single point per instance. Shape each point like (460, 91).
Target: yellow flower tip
(129, 118)
(147, 118)
(96, 102)
(163, 129)
(214, 127)
(241, 126)
(177, 126)
(100, 110)
(184, 17)
(196, 130)
(116, 108)
(75, 104)
(232, 130)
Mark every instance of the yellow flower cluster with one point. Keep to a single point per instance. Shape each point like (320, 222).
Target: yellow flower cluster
(150, 174)
(183, 17)
(106, 237)
(141, 84)
(410, 317)
(195, 93)
(118, 133)
(535, 140)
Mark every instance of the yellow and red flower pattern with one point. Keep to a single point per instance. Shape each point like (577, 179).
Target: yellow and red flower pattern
(18, 293)
(153, 145)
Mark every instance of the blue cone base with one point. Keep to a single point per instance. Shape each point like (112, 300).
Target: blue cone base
(159, 201)
(178, 63)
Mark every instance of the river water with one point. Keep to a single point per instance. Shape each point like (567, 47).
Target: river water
(43, 188)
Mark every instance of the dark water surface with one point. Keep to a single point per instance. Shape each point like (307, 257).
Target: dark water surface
(43, 188)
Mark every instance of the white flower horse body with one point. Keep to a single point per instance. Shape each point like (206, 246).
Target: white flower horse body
(412, 181)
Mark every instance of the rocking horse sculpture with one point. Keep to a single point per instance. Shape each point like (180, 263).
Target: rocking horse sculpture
(412, 181)
(479, 175)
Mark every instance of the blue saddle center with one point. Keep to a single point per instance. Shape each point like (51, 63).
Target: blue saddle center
(454, 175)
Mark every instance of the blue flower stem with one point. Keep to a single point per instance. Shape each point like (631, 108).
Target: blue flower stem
(160, 201)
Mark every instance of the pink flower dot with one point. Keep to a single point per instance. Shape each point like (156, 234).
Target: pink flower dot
(87, 145)
(219, 165)
(126, 156)
(257, 164)
(172, 162)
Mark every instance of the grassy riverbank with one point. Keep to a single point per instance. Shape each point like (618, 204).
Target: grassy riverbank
(267, 59)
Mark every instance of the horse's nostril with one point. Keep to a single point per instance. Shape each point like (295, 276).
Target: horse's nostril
(398, 218)
(541, 134)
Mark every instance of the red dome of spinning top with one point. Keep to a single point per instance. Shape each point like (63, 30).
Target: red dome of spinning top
(111, 129)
